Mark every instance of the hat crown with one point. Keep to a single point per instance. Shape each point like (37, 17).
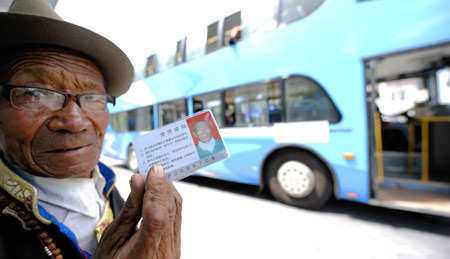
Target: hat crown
(34, 7)
(31, 23)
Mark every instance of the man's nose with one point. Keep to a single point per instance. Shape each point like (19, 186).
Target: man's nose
(70, 118)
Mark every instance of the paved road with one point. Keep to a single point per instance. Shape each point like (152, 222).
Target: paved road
(227, 220)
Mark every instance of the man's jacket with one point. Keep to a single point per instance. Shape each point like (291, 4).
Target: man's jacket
(218, 146)
(27, 230)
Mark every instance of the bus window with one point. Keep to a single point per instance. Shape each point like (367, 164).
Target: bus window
(400, 96)
(230, 114)
(443, 86)
(195, 44)
(212, 38)
(172, 111)
(180, 54)
(144, 118)
(307, 101)
(119, 121)
(131, 120)
(232, 29)
(198, 105)
(259, 19)
(292, 10)
(140, 119)
(150, 66)
(165, 58)
(255, 104)
(274, 109)
(211, 101)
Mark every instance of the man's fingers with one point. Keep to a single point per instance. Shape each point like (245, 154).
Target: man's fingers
(155, 204)
(176, 238)
(131, 213)
(162, 215)
(154, 215)
(160, 206)
(174, 201)
(125, 223)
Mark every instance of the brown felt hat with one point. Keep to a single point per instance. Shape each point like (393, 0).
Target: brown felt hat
(34, 22)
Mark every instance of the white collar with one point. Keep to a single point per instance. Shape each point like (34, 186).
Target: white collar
(75, 194)
(208, 146)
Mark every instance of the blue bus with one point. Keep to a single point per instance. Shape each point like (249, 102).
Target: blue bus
(314, 99)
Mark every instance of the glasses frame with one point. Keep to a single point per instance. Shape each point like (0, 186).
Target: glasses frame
(76, 97)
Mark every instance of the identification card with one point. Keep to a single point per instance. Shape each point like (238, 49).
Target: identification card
(181, 147)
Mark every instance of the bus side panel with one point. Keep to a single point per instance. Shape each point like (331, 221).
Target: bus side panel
(351, 176)
(244, 162)
(353, 183)
(247, 155)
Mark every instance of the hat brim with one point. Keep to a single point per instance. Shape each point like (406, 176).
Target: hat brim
(20, 29)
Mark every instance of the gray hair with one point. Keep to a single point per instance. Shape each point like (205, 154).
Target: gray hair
(196, 123)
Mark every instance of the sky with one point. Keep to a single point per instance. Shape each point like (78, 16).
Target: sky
(141, 27)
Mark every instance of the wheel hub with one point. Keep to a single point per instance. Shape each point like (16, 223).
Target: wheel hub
(132, 160)
(296, 179)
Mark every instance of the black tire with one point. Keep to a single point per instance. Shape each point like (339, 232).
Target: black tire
(132, 163)
(318, 181)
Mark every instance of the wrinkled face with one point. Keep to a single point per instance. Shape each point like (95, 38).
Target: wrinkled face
(62, 143)
(202, 131)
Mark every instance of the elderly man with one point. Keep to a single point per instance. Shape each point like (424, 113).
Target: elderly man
(56, 199)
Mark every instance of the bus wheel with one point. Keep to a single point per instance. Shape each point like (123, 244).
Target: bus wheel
(299, 179)
(132, 162)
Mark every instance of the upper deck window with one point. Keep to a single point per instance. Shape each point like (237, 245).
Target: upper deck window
(212, 37)
(255, 17)
(232, 29)
(261, 19)
(292, 10)
(180, 54)
(166, 58)
(195, 44)
(150, 67)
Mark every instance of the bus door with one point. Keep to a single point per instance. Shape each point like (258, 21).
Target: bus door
(408, 100)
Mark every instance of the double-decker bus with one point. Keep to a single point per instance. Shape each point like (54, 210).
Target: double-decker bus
(314, 99)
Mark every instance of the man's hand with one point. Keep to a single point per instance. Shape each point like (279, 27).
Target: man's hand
(158, 203)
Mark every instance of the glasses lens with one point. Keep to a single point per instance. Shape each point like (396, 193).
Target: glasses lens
(36, 99)
(94, 102)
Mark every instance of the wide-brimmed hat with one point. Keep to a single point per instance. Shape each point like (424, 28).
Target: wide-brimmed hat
(34, 22)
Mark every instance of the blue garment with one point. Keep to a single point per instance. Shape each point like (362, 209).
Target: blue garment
(18, 242)
(218, 146)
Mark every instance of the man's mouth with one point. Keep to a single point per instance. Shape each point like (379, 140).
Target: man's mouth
(66, 149)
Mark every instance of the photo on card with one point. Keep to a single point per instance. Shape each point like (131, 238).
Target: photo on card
(181, 147)
(205, 134)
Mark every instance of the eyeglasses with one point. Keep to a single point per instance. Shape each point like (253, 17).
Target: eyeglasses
(42, 99)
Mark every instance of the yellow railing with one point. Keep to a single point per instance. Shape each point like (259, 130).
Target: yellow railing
(425, 124)
(379, 148)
